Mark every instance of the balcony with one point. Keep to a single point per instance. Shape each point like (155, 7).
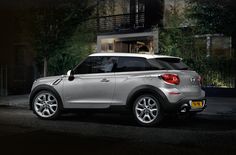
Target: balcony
(122, 23)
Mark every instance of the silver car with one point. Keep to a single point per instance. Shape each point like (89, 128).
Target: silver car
(147, 85)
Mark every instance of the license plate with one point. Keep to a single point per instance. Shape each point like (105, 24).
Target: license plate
(197, 104)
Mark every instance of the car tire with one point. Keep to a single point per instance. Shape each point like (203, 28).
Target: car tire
(47, 105)
(147, 110)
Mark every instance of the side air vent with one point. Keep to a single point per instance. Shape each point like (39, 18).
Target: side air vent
(57, 81)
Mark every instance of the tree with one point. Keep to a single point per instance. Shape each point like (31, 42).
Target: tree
(55, 23)
(176, 35)
(78, 47)
(177, 39)
(214, 16)
(174, 14)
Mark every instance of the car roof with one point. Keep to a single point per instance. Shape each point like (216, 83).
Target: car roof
(147, 56)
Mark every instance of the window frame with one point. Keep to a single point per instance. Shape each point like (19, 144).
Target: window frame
(142, 58)
(91, 57)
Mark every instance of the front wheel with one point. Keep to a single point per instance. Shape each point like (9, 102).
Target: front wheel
(46, 105)
(147, 110)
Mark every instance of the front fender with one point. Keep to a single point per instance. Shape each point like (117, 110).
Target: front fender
(45, 87)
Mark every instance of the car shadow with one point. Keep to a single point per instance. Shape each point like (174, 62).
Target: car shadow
(199, 122)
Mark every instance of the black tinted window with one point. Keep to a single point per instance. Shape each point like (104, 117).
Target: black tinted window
(126, 64)
(97, 65)
(168, 64)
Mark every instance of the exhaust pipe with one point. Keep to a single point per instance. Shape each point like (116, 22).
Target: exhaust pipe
(184, 108)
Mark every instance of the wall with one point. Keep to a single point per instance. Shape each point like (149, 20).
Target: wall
(16, 52)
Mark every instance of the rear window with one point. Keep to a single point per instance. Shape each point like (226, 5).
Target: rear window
(168, 64)
(127, 64)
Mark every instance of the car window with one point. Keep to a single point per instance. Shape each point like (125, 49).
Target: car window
(168, 64)
(126, 64)
(94, 65)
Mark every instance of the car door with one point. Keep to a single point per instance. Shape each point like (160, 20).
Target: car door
(129, 73)
(93, 84)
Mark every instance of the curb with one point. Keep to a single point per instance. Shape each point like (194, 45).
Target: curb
(20, 101)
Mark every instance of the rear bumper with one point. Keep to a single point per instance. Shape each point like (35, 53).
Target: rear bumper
(184, 105)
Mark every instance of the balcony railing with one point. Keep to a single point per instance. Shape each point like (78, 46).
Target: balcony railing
(118, 23)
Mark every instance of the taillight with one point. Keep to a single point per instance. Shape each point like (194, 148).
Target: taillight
(171, 78)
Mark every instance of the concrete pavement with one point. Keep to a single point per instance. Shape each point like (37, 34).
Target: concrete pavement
(15, 101)
(114, 134)
(211, 132)
(221, 106)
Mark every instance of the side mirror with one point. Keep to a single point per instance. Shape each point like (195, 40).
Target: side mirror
(70, 75)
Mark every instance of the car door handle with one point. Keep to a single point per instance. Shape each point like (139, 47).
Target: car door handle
(105, 80)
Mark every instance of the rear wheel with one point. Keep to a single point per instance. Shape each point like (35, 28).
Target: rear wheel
(46, 105)
(147, 110)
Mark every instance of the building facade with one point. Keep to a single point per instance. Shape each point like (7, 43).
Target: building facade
(16, 52)
(127, 25)
(121, 25)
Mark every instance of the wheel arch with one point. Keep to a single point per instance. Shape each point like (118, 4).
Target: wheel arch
(40, 88)
(145, 89)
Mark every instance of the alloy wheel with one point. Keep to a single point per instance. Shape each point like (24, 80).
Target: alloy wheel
(146, 109)
(45, 105)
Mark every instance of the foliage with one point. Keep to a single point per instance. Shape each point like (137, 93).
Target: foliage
(175, 15)
(214, 16)
(178, 40)
(79, 46)
(55, 24)
(216, 72)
